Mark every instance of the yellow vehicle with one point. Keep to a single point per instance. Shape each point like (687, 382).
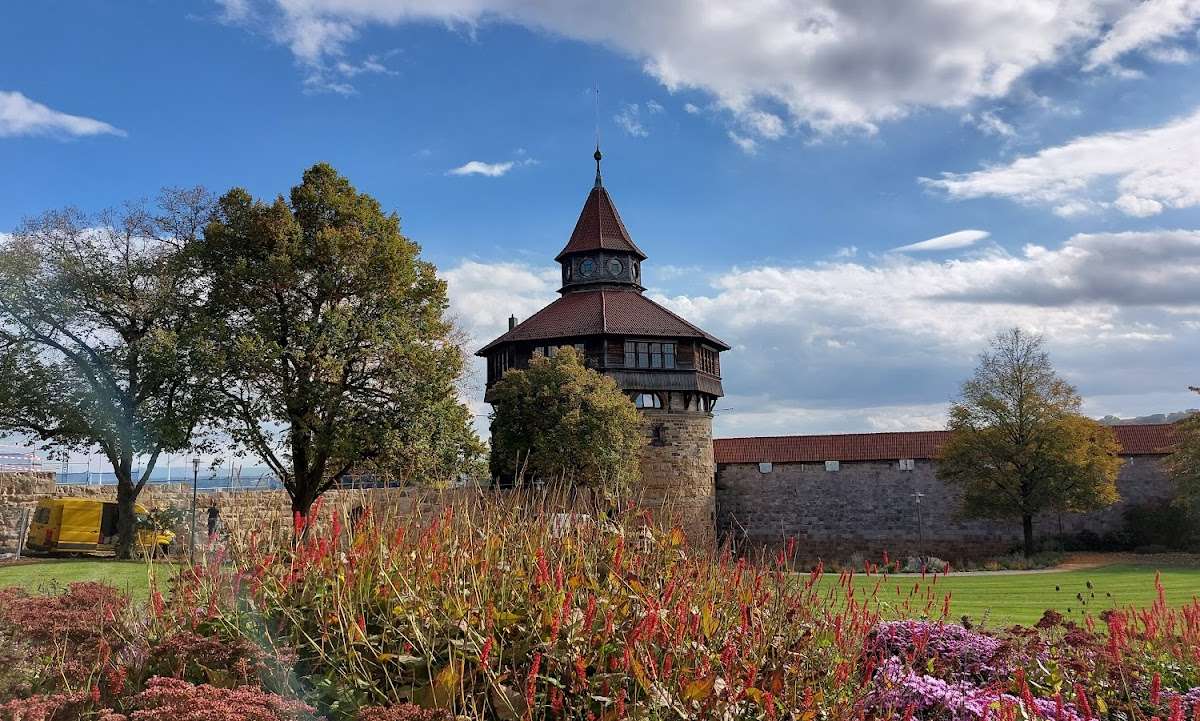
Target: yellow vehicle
(85, 525)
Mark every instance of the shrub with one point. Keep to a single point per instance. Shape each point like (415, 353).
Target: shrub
(54, 707)
(1161, 524)
(403, 712)
(172, 699)
(57, 643)
(222, 661)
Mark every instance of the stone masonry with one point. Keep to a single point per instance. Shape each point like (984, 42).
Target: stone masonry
(240, 510)
(868, 508)
(677, 470)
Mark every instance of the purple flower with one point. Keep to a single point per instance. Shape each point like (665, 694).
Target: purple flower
(949, 650)
(896, 688)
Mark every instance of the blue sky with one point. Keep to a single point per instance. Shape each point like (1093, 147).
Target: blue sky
(768, 156)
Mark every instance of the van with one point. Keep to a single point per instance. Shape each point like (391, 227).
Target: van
(85, 525)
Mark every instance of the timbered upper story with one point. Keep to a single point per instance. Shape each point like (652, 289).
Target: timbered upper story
(656, 356)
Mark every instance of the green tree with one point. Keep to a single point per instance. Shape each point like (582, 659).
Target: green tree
(1184, 463)
(1018, 444)
(336, 354)
(561, 422)
(99, 329)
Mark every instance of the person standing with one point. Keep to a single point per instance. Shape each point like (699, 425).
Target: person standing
(214, 516)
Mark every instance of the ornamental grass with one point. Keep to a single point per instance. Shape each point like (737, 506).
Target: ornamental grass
(499, 607)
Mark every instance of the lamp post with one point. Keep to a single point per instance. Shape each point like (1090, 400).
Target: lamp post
(195, 475)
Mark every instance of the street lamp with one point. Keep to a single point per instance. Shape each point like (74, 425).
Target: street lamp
(195, 475)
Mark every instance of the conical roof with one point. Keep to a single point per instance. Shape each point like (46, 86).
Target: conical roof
(599, 228)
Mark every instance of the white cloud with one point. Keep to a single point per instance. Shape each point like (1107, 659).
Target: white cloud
(883, 343)
(1139, 172)
(478, 167)
(1144, 25)
(1170, 54)
(21, 116)
(829, 64)
(630, 120)
(766, 125)
(1151, 268)
(949, 241)
(748, 145)
(654, 107)
(989, 123)
(484, 295)
(691, 109)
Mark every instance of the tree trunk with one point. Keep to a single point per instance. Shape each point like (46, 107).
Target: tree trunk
(126, 516)
(302, 503)
(1027, 526)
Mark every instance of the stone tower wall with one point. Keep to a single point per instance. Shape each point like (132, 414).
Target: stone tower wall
(678, 470)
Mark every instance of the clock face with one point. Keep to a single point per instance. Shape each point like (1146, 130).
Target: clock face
(615, 267)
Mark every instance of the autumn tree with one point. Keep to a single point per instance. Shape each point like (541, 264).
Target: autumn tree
(1184, 461)
(336, 353)
(1018, 444)
(561, 422)
(99, 335)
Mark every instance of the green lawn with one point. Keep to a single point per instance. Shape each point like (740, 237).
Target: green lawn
(995, 599)
(45, 575)
(1005, 599)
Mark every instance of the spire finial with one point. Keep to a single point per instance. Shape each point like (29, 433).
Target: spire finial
(598, 156)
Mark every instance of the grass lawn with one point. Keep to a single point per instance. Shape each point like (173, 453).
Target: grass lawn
(994, 599)
(1004, 599)
(45, 575)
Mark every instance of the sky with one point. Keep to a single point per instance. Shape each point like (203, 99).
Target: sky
(854, 194)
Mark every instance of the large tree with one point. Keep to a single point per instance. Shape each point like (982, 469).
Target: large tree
(561, 422)
(99, 326)
(1018, 444)
(1184, 462)
(336, 353)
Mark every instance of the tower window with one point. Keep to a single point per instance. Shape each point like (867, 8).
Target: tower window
(648, 354)
(647, 400)
(657, 437)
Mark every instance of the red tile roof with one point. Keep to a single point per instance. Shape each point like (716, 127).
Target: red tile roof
(603, 312)
(599, 228)
(1139, 440)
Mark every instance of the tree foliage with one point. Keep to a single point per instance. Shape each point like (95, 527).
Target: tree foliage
(337, 356)
(99, 333)
(1184, 463)
(1018, 444)
(559, 421)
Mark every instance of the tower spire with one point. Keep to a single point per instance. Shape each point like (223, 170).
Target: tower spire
(598, 156)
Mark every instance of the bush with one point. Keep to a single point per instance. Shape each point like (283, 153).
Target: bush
(403, 712)
(1161, 524)
(171, 699)
(490, 611)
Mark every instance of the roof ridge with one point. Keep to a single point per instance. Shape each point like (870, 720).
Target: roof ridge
(603, 312)
(830, 435)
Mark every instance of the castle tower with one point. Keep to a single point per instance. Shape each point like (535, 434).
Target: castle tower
(670, 368)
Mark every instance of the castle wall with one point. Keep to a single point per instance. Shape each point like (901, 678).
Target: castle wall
(240, 510)
(677, 471)
(868, 508)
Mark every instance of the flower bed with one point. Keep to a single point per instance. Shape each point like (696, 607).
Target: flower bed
(493, 611)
